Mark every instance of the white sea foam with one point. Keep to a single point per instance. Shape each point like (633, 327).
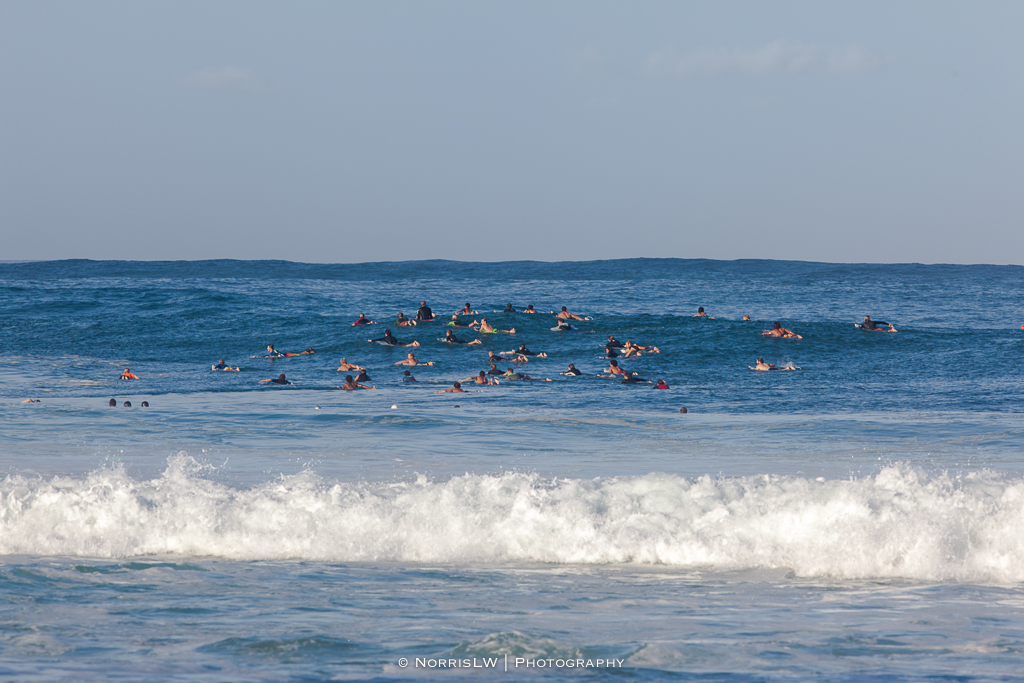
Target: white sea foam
(897, 523)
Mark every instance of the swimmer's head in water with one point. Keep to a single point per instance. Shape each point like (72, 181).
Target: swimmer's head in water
(746, 316)
(127, 404)
(700, 309)
(221, 361)
(280, 378)
(112, 403)
(571, 366)
(407, 373)
(683, 409)
(483, 374)
(529, 307)
(145, 404)
(348, 378)
(777, 325)
(760, 360)
(458, 385)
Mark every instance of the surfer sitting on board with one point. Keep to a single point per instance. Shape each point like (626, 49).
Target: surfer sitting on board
(779, 331)
(363, 320)
(530, 309)
(351, 385)
(873, 325)
(389, 340)
(424, 313)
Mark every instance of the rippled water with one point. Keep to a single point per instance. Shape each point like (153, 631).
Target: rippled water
(857, 518)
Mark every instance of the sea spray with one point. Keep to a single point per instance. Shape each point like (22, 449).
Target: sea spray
(896, 523)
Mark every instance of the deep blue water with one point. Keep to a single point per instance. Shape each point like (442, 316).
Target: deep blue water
(857, 518)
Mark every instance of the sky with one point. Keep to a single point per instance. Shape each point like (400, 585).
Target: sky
(340, 132)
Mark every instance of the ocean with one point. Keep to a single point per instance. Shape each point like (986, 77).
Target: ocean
(860, 517)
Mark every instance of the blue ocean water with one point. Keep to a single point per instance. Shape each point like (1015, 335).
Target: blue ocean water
(857, 518)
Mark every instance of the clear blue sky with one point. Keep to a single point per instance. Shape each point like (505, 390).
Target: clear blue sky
(365, 131)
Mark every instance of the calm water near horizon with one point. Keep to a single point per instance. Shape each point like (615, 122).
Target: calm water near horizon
(859, 518)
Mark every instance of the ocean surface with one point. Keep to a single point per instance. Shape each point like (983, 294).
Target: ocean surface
(858, 518)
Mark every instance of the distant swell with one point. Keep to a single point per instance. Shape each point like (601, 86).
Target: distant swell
(898, 523)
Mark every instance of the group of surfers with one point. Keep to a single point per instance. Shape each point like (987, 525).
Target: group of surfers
(613, 349)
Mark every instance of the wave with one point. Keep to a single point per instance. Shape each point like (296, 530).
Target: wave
(899, 522)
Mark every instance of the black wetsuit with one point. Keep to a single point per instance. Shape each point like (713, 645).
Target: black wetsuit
(221, 366)
(523, 351)
(452, 339)
(575, 372)
(388, 339)
(424, 313)
(614, 343)
(610, 352)
(495, 371)
(871, 325)
(634, 380)
(363, 377)
(509, 309)
(408, 378)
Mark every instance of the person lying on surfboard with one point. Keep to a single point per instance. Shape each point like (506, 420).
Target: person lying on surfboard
(411, 361)
(566, 315)
(523, 351)
(456, 389)
(221, 365)
(280, 380)
(389, 340)
(779, 331)
(274, 353)
(346, 366)
(765, 367)
(363, 320)
(450, 338)
(480, 378)
(484, 326)
(351, 385)
(873, 325)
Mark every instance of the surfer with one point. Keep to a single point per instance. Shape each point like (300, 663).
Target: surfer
(661, 384)
(630, 350)
(746, 317)
(424, 313)
(389, 340)
(562, 326)
(408, 377)
(779, 331)
(128, 374)
(402, 321)
(870, 324)
(363, 320)
(511, 374)
(530, 309)
(480, 378)
(31, 400)
(280, 380)
(456, 389)
(609, 352)
(493, 370)
(112, 403)
(351, 385)
(411, 361)
(566, 315)
(221, 365)
(450, 338)
(346, 366)
(467, 310)
(363, 377)
(701, 314)
(274, 353)
(613, 342)
(509, 309)
(614, 369)
(631, 378)
(573, 371)
(490, 329)
(455, 322)
(762, 366)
